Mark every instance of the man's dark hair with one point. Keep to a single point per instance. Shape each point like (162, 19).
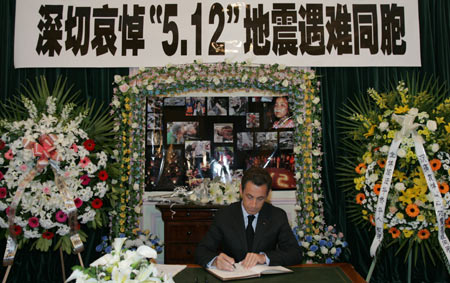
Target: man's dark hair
(257, 176)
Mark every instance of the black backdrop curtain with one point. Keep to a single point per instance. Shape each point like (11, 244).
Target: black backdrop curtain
(338, 85)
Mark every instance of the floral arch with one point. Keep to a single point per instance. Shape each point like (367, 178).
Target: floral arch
(129, 110)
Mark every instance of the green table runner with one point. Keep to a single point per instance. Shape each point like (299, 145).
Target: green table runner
(300, 275)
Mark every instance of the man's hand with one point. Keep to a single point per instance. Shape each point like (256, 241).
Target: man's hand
(224, 262)
(252, 259)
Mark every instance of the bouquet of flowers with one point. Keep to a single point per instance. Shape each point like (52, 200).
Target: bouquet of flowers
(141, 238)
(48, 132)
(325, 247)
(216, 191)
(410, 218)
(122, 265)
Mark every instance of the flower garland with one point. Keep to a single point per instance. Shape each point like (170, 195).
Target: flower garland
(50, 133)
(301, 85)
(410, 218)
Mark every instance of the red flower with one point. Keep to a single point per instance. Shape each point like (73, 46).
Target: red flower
(102, 175)
(85, 180)
(17, 230)
(2, 144)
(89, 145)
(1, 175)
(33, 222)
(78, 202)
(97, 203)
(48, 235)
(2, 192)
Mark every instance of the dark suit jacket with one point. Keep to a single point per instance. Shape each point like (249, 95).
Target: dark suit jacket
(273, 236)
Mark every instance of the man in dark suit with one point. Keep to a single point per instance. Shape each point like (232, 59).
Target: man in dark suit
(268, 240)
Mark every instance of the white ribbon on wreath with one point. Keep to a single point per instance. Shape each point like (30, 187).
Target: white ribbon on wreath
(409, 129)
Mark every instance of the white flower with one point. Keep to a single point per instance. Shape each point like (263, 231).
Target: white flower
(117, 79)
(298, 175)
(305, 245)
(324, 250)
(315, 175)
(63, 230)
(135, 125)
(399, 186)
(311, 253)
(244, 78)
(383, 126)
(149, 87)
(401, 153)
(216, 80)
(263, 79)
(431, 125)
(333, 250)
(285, 83)
(192, 78)
(281, 67)
(435, 147)
(300, 119)
(169, 80)
(316, 152)
(316, 100)
(423, 115)
(384, 148)
(413, 111)
(146, 251)
(373, 178)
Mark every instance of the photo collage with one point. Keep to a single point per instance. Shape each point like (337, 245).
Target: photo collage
(193, 138)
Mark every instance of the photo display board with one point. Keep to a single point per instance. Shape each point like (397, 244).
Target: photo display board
(190, 139)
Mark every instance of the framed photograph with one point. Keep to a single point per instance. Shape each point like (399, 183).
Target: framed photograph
(224, 155)
(154, 104)
(278, 114)
(252, 120)
(238, 106)
(154, 121)
(179, 132)
(154, 138)
(198, 158)
(195, 106)
(174, 101)
(223, 132)
(286, 140)
(245, 141)
(217, 106)
(266, 140)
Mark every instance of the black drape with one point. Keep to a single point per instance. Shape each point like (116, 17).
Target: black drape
(337, 85)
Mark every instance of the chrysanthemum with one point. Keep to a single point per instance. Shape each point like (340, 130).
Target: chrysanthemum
(435, 164)
(360, 167)
(423, 234)
(360, 197)
(395, 233)
(443, 187)
(376, 189)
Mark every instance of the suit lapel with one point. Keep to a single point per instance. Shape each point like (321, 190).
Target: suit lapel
(238, 225)
(262, 225)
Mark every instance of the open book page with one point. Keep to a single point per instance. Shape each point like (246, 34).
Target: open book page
(265, 269)
(170, 269)
(241, 273)
(238, 273)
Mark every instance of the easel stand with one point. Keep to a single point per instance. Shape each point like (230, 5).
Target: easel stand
(374, 261)
(8, 269)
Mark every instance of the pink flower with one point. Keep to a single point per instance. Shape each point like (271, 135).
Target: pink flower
(7, 210)
(78, 202)
(33, 222)
(9, 155)
(61, 217)
(85, 180)
(74, 147)
(1, 175)
(23, 167)
(124, 87)
(2, 192)
(46, 190)
(84, 162)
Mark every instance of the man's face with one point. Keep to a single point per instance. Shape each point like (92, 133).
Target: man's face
(253, 197)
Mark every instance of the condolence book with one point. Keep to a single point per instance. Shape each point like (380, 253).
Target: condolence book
(241, 273)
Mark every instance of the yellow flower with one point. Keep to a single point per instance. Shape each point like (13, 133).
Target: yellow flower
(391, 134)
(447, 128)
(127, 99)
(400, 175)
(440, 120)
(401, 109)
(408, 233)
(370, 132)
(122, 229)
(122, 215)
(364, 212)
(420, 218)
(400, 215)
(123, 207)
(127, 107)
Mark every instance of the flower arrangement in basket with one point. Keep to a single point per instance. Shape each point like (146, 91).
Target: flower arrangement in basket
(122, 265)
(44, 135)
(398, 155)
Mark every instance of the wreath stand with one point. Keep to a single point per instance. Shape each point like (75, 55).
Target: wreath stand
(5, 277)
(374, 261)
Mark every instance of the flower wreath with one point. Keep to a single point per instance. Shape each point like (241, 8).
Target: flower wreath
(51, 130)
(410, 219)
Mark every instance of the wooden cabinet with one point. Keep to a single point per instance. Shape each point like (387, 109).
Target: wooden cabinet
(184, 227)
